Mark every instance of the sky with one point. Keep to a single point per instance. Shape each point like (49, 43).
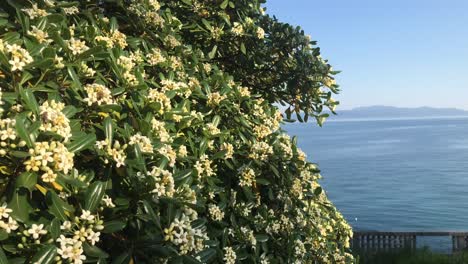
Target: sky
(405, 53)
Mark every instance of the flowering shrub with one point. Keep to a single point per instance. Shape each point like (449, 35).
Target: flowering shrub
(146, 132)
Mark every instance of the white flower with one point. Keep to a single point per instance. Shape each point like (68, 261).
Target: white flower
(17, 64)
(77, 256)
(108, 201)
(67, 225)
(71, 10)
(37, 230)
(80, 234)
(92, 236)
(9, 226)
(58, 61)
(101, 144)
(260, 33)
(4, 211)
(86, 215)
(49, 176)
(65, 251)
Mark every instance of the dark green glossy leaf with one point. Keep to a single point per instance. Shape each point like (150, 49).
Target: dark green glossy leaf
(30, 100)
(23, 133)
(123, 258)
(94, 251)
(94, 195)
(20, 205)
(3, 258)
(54, 228)
(109, 129)
(181, 175)
(113, 226)
(261, 238)
(82, 142)
(27, 180)
(3, 235)
(56, 205)
(46, 255)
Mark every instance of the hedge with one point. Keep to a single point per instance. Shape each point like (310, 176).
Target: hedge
(149, 132)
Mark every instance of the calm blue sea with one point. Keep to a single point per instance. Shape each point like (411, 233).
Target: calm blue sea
(393, 175)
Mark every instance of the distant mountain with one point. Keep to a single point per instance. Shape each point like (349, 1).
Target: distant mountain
(399, 112)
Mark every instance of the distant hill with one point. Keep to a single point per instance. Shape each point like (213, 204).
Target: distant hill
(399, 112)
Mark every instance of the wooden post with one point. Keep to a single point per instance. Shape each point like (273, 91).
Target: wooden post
(454, 243)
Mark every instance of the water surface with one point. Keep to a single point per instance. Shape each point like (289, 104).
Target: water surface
(393, 175)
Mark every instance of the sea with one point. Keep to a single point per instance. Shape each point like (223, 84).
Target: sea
(393, 174)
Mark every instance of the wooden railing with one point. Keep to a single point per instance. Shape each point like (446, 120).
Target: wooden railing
(373, 240)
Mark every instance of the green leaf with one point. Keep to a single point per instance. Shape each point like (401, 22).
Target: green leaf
(220, 154)
(91, 52)
(29, 100)
(318, 191)
(3, 258)
(207, 24)
(212, 53)
(94, 251)
(224, 4)
(123, 258)
(56, 206)
(207, 255)
(69, 111)
(46, 255)
(23, 133)
(149, 210)
(94, 195)
(262, 181)
(3, 235)
(20, 205)
(81, 142)
(261, 238)
(74, 77)
(113, 226)
(55, 18)
(27, 180)
(243, 50)
(43, 64)
(109, 129)
(54, 228)
(183, 174)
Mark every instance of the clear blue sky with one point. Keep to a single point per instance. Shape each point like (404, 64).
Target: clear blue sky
(405, 53)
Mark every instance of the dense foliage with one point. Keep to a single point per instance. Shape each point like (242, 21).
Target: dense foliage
(147, 132)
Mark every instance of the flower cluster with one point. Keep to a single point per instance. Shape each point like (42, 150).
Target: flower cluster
(7, 223)
(85, 229)
(143, 142)
(98, 94)
(50, 158)
(54, 120)
(8, 136)
(19, 57)
(182, 234)
(163, 182)
(116, 152)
